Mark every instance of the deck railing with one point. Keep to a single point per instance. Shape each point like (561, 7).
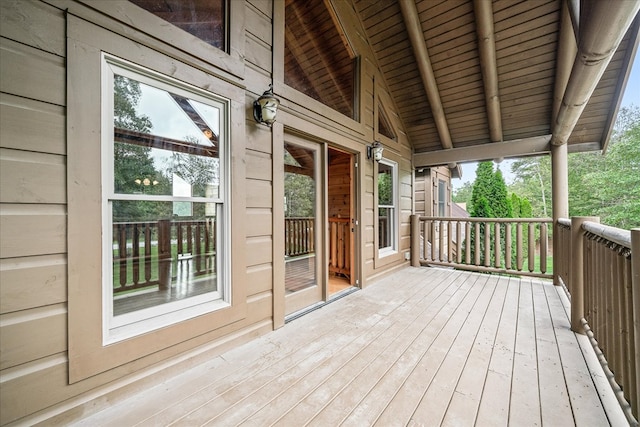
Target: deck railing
(340, 246)
(598, 265)
(603, 279)
(299, 237)
(493, 245)
(144, 251)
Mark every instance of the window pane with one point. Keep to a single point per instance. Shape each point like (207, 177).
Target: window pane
(164, 143)
(318, 62)
(385, 185)
(299, 222)
(159, 258)
(386, 206)
(442, 198)
(385, 228)
(204, 19)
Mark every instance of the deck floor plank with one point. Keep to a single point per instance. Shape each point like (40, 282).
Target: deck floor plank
(438, 396)
(554, 399)
(372, 381)
(318, 400)
(496, 395)
(279, 406)
(423, 346)
(402, 407)
(525, 399)
(300, 384)
(463, 408)
(587, 408)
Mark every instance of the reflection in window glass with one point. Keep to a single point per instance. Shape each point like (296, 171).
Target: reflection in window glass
(204, 19)
(160, 258)
(299, 222)
(386, 206)
(165, 207)
(164, 142)
(318, 60)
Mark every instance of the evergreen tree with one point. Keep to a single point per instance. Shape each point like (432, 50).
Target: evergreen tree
(482, 189)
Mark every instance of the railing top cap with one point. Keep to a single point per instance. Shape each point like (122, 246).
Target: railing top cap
(475, 219)
(613, 234)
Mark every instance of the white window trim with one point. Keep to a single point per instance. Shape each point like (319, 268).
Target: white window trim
(393, 249)
(153, 318)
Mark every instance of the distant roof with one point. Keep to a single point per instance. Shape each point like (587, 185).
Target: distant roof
(458, 211)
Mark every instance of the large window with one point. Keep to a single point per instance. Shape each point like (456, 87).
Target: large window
(319, 61)
(387, 202)
(205, 19)
(164, 201)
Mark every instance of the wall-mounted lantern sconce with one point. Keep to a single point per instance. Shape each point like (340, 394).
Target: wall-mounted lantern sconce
(266, 107)
(374, 151)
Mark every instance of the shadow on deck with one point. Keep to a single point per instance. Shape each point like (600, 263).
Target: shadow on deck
(424, 346)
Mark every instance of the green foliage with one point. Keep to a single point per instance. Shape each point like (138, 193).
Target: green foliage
(489, 199)
(463, 194)
(533, 182)
(490, 186)
(609, 186)
(385, 186)
(521, 206)
(299, 192)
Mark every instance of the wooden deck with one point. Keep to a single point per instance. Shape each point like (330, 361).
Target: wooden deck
(424, 346)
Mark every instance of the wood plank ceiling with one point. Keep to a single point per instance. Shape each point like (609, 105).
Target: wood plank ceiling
(467, 73)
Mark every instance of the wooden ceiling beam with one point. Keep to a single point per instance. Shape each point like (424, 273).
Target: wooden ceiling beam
(536, 145)
(567, 49)
(574, 14)
(487, 47)
(602, 27)
(416, 36)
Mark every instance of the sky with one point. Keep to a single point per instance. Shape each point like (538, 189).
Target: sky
(631, 96)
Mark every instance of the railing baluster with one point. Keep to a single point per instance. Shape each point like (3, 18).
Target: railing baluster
(532, 246)
(477, 247)
(496, 243)
(434, 241)
(544, 242)
(449, 241)
(519, 243)
(487, 247)
(425, 241)
(441, 254)
(467, 250)
(147, 252)
(198, 247)
(507, 246)
(122, 253)
(135, 253)
(458, 242)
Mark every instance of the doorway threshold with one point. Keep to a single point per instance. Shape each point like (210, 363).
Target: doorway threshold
(296, 315)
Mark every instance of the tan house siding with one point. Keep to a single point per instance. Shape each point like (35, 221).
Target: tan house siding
(35, 235)
(32, 203)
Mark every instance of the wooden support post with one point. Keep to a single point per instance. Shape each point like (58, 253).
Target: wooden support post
(560, 201)
(577, 272)
(635, 293)
(415, 240)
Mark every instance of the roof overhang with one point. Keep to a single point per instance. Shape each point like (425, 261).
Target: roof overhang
(476, 79)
